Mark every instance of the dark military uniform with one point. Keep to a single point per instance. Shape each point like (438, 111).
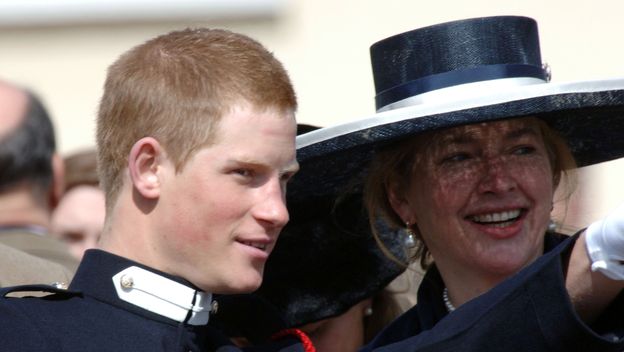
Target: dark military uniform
(114, 304)
(531, 311)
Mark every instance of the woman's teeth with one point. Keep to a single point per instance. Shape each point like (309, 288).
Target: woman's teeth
(497, 219)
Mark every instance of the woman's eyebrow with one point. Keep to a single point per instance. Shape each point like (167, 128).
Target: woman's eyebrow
(457, 138)
(521, 132)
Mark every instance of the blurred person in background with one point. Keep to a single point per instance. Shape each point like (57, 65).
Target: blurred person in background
(31, 177)
(20, 268)
(79, 217)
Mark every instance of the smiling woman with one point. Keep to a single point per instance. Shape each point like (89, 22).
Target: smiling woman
(465, 155)
(479, 197)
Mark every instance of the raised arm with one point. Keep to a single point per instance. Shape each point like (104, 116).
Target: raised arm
(595, 274)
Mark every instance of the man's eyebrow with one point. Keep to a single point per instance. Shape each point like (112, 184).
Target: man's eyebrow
(292, 167)
(242, 160)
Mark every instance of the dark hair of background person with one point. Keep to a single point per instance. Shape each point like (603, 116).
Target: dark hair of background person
(26, 153)
(30, 183)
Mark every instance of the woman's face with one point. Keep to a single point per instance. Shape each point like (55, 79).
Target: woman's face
(481, 196)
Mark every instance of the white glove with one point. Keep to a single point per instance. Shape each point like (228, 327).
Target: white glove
(605, 244)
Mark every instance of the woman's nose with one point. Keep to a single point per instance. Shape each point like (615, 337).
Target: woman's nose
(497, 177)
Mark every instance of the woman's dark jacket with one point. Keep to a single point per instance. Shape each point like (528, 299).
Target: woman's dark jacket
(530, 311)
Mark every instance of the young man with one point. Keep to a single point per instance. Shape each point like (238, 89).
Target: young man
(196, 142)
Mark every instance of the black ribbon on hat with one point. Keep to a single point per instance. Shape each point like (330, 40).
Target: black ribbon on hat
(457, 77)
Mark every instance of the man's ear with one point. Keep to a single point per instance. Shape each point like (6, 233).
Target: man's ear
(57, 187)
(145, 167)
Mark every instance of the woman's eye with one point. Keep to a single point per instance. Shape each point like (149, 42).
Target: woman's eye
(455, 158)
(523, 150)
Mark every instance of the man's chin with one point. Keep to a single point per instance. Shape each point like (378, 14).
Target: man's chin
(247, 283)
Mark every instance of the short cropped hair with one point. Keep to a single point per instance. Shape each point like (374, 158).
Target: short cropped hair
(175, 88)
(26, 152)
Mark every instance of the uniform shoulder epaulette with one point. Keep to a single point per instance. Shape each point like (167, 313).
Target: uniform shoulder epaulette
(58, 289)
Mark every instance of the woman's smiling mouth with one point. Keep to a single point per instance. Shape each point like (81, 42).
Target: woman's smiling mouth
(498, 219)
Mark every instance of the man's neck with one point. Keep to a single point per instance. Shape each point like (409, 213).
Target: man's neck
(126, 232)
(20, 208)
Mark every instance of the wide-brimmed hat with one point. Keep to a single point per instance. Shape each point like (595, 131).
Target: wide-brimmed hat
(459, 73)
(325, 261)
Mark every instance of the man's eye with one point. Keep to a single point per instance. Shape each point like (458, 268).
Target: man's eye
(243, 172)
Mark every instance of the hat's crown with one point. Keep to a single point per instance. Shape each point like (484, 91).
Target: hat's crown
(454, 53)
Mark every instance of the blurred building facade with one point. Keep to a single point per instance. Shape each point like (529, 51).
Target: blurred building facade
(61, 49)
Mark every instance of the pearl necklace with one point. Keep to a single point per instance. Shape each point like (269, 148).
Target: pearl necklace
(447, 301)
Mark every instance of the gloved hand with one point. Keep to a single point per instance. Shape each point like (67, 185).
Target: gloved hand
(605, 244)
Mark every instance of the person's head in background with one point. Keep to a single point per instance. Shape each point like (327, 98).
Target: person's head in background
(196, 141)
(350, 330)
(79, 217)
(31, 171)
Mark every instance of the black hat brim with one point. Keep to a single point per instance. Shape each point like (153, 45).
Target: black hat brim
(589, 115)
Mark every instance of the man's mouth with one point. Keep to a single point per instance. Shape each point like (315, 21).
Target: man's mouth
(498, 219)
(261, 246)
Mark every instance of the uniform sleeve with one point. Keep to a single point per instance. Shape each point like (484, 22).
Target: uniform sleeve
(19, 329)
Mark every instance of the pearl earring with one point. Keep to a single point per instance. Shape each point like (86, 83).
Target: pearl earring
(410, 238)
(552, 226)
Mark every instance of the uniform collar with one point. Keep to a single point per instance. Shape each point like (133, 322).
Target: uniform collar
(162, 296)
(146, 291)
